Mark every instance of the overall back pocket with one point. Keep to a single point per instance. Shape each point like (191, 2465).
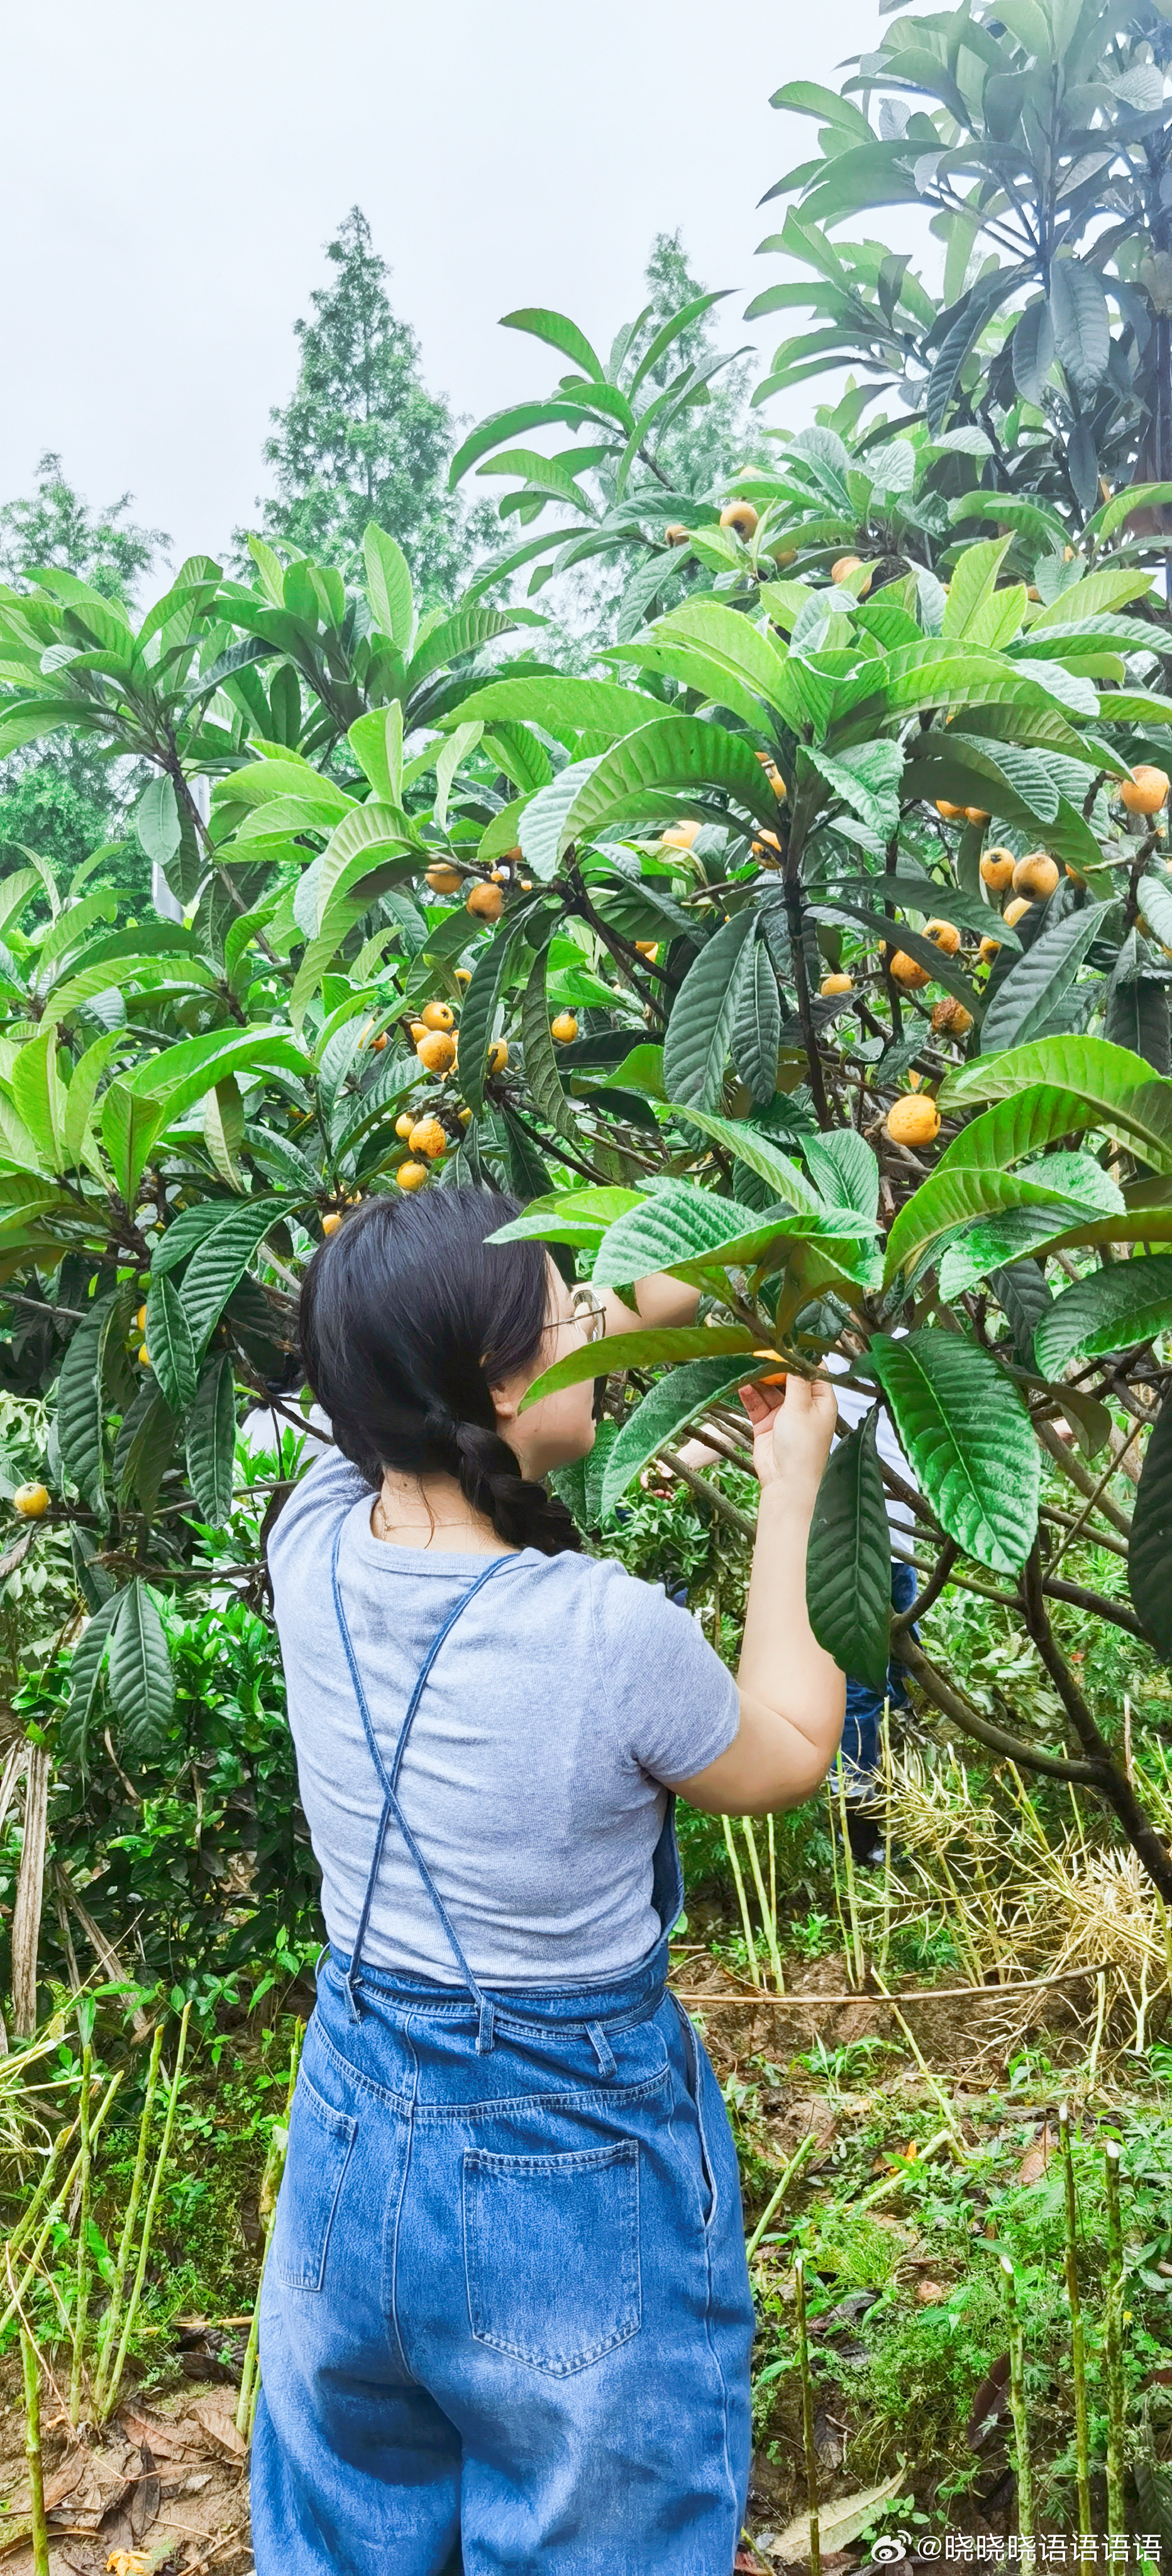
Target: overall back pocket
(320, 2140)
(551, 2254)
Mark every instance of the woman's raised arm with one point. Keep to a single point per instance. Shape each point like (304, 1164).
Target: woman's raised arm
(792, 1695)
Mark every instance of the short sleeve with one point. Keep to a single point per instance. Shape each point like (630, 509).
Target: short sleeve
(673, 1704)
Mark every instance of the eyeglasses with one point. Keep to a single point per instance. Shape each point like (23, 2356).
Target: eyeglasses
(589, 1313)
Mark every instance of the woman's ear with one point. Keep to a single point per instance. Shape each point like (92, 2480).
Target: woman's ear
(505, 1394)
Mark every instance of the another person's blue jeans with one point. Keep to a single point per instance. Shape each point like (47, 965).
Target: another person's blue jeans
(506, 2316)
(859, 1752)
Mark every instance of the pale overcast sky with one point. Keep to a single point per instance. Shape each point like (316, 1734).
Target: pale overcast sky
(168, 177)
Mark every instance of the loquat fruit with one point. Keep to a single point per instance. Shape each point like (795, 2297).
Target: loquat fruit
(831, 984)
(989, 950)
(444, 879)
(427, 1137)
(913, 1119)
(463, 974)
(680, 836)
(486, 901)
(1015, 911)
(951, 813)
(564, 1028)
(1036, 874)
(648, 948)
(436, 1050)
(330, 1223)
(31, 1501)
(976, 814)
(404, 1123)
(140, 1321)
(950, 1018)
(741, 517)
(676, 534)
(944, 935)
(411, 1176)
(1146, 790)
(905, 971)
(997, 866)
(498, 1056)
(438, 1015)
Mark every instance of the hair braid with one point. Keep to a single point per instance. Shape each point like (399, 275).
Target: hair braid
(522, 1513)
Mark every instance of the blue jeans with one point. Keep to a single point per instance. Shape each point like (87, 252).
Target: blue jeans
(506, 2316)
(859, 1751)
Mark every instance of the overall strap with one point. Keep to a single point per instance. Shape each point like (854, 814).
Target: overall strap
(389, 1779)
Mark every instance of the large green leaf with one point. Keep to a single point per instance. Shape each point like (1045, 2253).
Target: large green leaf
(479, 1009)
(1128, 1302)
(954, 1196)
(848, 1558)
(665, 1411)
(1024, 1298)
(564, 707)
(846, 1170)
(1082, 329)
(700, 1029)
(969, 1437)
(89, 1655)
(678, 1225)
(759, 1154)
(81, 1403)
(717, 650)
(211, 1441)
(756, 1030)
(1117, 1090)
(541, 1066)
(542, 819)
(972, 582)
(1150, 1548)
(220, 1261)
(675, 753)
(142, 1451)
(388, 586)
(1022, 1005)
(168, 1339)
(568, 1216)
(142, 1687)
(656, 1347)
(560, 332)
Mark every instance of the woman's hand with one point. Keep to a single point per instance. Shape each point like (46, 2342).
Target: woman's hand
(793, 1426)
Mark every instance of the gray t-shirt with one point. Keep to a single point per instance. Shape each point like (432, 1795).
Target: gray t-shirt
(567, 1694)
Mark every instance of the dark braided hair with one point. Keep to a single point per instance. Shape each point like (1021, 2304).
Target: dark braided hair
(407, 1317)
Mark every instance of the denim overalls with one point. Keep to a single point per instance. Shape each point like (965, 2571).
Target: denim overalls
(506, 2316)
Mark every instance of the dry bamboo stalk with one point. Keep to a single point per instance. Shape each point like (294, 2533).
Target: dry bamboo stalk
(82, 2299)
(768, 1918)
(113, 2318)
(1078, 2350)
(777, 2196)
(912, 1995)
(1113, 2342)
(807, 2416)
(742, 1900)
(270, 2186)
(103, 1949)
(32, 2452)
(26, 1918)
(1018, 2407)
